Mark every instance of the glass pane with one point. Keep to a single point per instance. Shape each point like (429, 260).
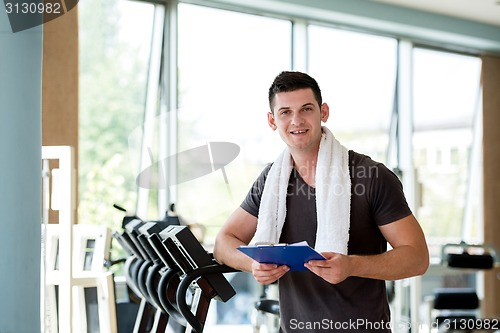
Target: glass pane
(227, 61)
(356, 73)
(446, 89)
(114, 41)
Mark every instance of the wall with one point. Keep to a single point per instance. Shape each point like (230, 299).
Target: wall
(60, 85)
(491, 168)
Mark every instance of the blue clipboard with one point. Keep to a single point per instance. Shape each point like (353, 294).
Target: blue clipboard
(293, 255)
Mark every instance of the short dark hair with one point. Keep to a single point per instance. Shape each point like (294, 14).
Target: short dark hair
(292, 80)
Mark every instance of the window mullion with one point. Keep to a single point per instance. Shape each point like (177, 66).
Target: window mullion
(152, 92)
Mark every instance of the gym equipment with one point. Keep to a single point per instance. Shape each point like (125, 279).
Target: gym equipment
(144, 275)
(458, 308)
(169, 281)
(137, 269)
(473, 256)
(144, 319)
(173, 276)
(267, 310)
(198, 266)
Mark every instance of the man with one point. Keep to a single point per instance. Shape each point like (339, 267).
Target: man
(349, 216)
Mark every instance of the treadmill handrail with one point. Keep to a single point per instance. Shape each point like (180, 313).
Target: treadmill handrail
(184, 285)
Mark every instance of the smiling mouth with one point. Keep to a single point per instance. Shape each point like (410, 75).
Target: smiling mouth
(299, 132)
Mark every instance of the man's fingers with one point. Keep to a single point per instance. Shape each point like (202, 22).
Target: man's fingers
(318, 263)
(264, 267)
(268, 273)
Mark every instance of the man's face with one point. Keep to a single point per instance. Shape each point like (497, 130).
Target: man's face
(297, 117)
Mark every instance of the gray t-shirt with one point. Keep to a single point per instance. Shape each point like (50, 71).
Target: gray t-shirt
(309, 303)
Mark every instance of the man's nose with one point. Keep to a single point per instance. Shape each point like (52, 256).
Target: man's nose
(297, 118)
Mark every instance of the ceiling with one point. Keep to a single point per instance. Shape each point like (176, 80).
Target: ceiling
(483, 11)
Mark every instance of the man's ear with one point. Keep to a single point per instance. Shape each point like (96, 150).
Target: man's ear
(271, 121)
(325, 112)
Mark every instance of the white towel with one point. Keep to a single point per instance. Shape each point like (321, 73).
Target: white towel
(333, 197)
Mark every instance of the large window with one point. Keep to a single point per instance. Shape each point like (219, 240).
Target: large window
(357, 74)
(446, 91)
(445, 155)
(227, 62)
(114, 43)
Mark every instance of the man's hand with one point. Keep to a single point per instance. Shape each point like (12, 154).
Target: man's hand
(408, 257)
(335, 269)
(268, 273)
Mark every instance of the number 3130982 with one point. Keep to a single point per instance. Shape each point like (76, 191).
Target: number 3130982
(471, 324)
(33, 8)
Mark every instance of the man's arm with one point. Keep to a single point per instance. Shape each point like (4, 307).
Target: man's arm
(238, 230)
(408, 257)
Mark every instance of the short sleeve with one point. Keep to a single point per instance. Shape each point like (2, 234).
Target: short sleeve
(251, 203)
(387, 199)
